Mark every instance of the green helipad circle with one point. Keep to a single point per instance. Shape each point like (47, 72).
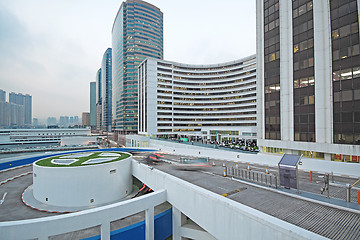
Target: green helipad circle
(82, 159)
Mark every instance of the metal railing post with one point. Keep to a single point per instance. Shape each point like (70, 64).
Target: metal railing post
(348, 192)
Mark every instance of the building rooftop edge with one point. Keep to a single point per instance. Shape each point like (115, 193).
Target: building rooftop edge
(253, 56)
(138, 1)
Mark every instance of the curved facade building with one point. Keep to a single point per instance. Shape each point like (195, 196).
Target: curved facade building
(137, 34)
(216, 101)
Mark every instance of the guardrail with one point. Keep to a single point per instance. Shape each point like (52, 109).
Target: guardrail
(253, 176)
(42, 228)
(343, 191)
(207, 145)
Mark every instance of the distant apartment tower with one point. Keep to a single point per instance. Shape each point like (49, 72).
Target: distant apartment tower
(137, 33)
(64, 121)
(51, 121)
(93, 105)
(215, 102)
(308, 78)
(4, 109)
(98, 100)
(106, 90)
(26, 102)
(86, 119)
(2, 95)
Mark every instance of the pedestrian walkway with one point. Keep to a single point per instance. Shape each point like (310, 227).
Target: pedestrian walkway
(308, 164)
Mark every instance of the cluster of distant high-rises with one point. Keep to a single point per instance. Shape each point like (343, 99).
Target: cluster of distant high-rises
(16, 112)
(137, 34)
(64, 121)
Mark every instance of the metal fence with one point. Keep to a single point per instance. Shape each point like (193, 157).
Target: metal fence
(253, 176)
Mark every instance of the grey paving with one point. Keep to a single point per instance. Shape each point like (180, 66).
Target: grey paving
(30, 201)
(324, 220)
(327, 221)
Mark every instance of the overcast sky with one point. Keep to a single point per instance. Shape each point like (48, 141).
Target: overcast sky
(52, 49)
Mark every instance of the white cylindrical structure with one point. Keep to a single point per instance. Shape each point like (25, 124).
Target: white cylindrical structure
(84, 185)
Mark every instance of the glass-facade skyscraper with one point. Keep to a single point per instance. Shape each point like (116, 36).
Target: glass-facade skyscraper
(98, 100)
(106, 90)
(137, 33)
(93, 104)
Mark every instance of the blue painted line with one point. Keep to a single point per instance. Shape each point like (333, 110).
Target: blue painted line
(29, 160)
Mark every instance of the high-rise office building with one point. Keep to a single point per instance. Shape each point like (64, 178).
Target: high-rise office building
(86, 119)
(106, 90)
(137, 33)
(98, 100)
(93, 105)
(308, 78)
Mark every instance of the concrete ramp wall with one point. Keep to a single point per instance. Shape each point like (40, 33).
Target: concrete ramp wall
(219, 216)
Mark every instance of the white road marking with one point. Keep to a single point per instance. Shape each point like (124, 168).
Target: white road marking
(3, 198)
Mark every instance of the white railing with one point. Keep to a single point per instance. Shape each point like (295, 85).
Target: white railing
(42, 228)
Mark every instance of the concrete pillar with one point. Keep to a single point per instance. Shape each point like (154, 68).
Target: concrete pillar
(105, 231)
(179, 219)
(327, 156)
(323, 73)
(286, 71)
(260, 69)
(358, 3)
(149, 224)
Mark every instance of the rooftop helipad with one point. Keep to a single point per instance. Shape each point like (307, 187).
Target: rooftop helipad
(82, 159)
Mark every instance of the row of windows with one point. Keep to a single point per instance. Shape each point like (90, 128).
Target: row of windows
(348, 117)
(211, 89)
(297, 12)
(209, 68)
(222, 82)
(346, 52)
(209, 109)
(200, 104)
(215, 125)
(338, 11)
(304, 82)
(204, 78)
(214, 94)
(304, 45)
(348, 95)
(203, 99)
(208, 114)
(306, 63)
(348, 73)
(305, 100)
(345, 30)
(206, 119)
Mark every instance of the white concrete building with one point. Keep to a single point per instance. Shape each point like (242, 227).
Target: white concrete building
(308, 78)
(213, 101)
(37, 136)
(104, 178)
